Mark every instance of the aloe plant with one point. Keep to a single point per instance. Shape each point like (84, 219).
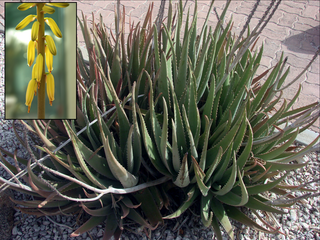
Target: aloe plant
(156, 113)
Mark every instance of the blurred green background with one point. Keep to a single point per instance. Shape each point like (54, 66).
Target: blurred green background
(18, 73)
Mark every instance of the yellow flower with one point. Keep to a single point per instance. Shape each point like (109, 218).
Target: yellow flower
(50, 87)
(30, 53)
(54, 27)
(47, 9)
(51, 45)
(60, 5)
(31, 91)
(39, 68)
(35, 30)
(34, 77)
(49, 58)
(28, 19)
(25, 6)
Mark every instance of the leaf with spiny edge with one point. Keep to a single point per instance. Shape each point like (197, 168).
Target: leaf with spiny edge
(192, 146)
(199, 175)
(75, 142)
(274, 153)
(232, 179)
(193, 193)
(151, 149)
(256, 189)
(202, 162)
(149, 206)
(183, 178)
(91, 223)
(206, 212)
(175, 150)
(219, 212)
(126, 178)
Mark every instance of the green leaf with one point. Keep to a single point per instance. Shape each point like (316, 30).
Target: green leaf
(199, 177)
(205, 210)
(94, 160)
(183, 179)
(148, 206)
(164, 137)
(254, 203)
(99, 212)
(213, 166)
(126, 178)
(242, 159)
(256, 189)
(219, 211)
(232, 179)
(136, 217)
(237, 215)
(91, 223)
(86, 170)
(151, 149)
(274, 153)
(192, 146)
(202, 163)
(192, 195)
(175, 151)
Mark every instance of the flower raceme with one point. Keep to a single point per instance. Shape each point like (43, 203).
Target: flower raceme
(43, 54)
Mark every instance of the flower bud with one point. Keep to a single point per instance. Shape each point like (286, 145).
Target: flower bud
(31, 91)
(28, 19)
(51, 45)
(50, 87)
(34, 77)
(30, 53)
(35, 30)
(25, 6)
(60, 5)
(54, 27)
(39, 68)
(47, 9)
(49, 58)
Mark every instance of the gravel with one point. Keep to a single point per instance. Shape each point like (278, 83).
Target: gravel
(301, 222)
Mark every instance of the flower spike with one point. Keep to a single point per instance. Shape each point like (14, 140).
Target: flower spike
(54, 27)
(28, 19)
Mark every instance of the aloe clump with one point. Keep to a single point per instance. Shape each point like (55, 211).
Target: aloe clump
(159, 114)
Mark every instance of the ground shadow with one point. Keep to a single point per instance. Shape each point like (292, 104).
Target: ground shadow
(306, 42)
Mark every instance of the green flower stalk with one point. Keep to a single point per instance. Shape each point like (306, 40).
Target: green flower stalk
(46, 48)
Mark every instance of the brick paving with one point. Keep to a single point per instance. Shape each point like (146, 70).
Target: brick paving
(294, 30)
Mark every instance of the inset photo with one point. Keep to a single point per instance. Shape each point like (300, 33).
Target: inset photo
(40, 60)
